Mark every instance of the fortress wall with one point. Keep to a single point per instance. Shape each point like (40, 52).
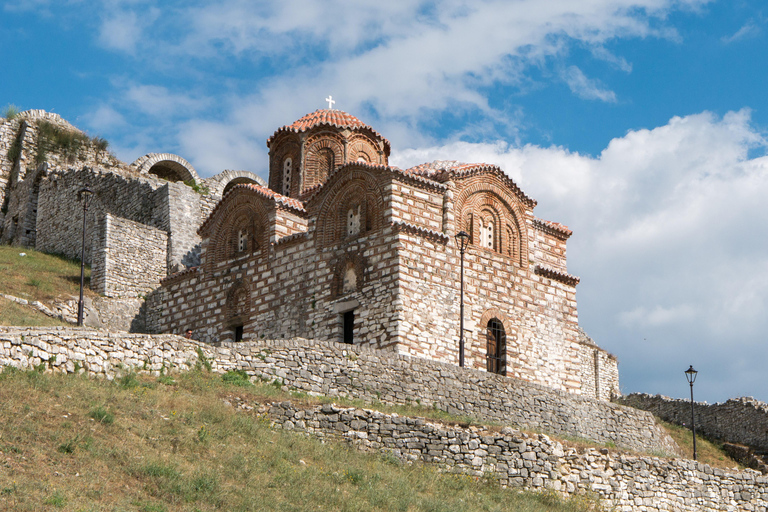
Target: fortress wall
(60, 214)
(181, 207)
(336, 369)
(599, 371)
(740, 420)
(516, 459)
(129, 258)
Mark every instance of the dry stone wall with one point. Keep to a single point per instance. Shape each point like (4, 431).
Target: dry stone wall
(515, 459)
(129, 259)
(341, 370)
(738, 420)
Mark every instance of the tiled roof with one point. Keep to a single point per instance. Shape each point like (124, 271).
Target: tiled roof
(262, 191)
(336, 118)
(561, 229)
(556, 275)
(442, 170)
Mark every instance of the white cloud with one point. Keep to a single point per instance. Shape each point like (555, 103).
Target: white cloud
(104, 118)
(586, 88)
(158, 101)
(749, 29)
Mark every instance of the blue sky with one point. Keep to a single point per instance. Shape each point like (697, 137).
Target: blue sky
(639, 123)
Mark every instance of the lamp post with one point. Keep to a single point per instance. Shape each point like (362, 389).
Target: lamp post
(690, 374)
(462, 240)
(84, 195)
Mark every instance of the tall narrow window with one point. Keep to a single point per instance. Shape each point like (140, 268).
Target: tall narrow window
(349, 327)
(486, 234)
(242, 240)
(496, 348)
(287, 171)
(353, 221)
(238, 333)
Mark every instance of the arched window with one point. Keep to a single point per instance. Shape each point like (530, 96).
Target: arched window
(242, 240)
(496, 348)
(287, 171)
(487, 234)
(353, 221)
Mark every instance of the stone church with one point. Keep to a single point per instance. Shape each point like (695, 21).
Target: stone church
(340, 245)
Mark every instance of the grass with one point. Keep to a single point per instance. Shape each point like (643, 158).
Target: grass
(25, 316)
(179, 447)
(39, 276)
(708, 451)
(10, 112)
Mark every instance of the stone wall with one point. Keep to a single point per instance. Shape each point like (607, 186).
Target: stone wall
(129, 259)
(341, 370)
(599, 370)
(738, 420)
(516, 459)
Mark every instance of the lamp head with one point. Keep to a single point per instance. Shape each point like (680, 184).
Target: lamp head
(85, 195)
(462, 240)
(690, 374)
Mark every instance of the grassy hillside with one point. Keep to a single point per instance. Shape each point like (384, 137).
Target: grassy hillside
(151, 445)
(36, 276)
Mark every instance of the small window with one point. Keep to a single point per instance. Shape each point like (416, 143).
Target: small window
(242, 240)
(287, 171)
(238, 333)
(353, 221)
(486, 234)
(348, 320)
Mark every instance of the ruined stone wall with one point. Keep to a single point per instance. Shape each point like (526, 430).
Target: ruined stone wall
(60, 214)
(337, 369)
(129, 258)
(738, 420)
(517, 459)
(599, 370)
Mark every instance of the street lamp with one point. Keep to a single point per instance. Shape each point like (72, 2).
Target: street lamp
(690, 374)
(462, 240)
(84, 195)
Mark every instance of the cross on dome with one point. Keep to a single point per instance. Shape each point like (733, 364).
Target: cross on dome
(330, 101)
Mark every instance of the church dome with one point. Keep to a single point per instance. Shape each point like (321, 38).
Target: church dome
(329, 118)
(304, 153)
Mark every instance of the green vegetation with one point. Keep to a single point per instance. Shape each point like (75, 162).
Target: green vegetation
(36, 277)
(39, 276)
(54, 138)
(181, 448)
(708, 451)
(25, 316)
(10, 112)
(200, 189)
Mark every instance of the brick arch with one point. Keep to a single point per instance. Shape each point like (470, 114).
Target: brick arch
(355, 261)
(224, 181)
(238, 304)
(240, 210)
(323, 154)
(287, 148)
(166, 166)
(356, 187)
(360, 146)
(486, 193)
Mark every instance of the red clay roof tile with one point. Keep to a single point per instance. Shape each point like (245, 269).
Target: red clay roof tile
(337, 118)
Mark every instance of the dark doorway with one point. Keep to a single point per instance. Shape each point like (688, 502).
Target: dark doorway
(238, 333)
(497, 347)
(349, 326)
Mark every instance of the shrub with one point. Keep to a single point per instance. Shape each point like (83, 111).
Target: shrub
(236, 378)
(11, 111)
(102, 415)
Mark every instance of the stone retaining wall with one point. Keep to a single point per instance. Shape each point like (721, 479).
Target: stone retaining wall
(342, 370)
(625, 483)
(738, 420)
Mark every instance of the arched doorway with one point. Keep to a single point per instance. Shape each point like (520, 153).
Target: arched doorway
(496, 348)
